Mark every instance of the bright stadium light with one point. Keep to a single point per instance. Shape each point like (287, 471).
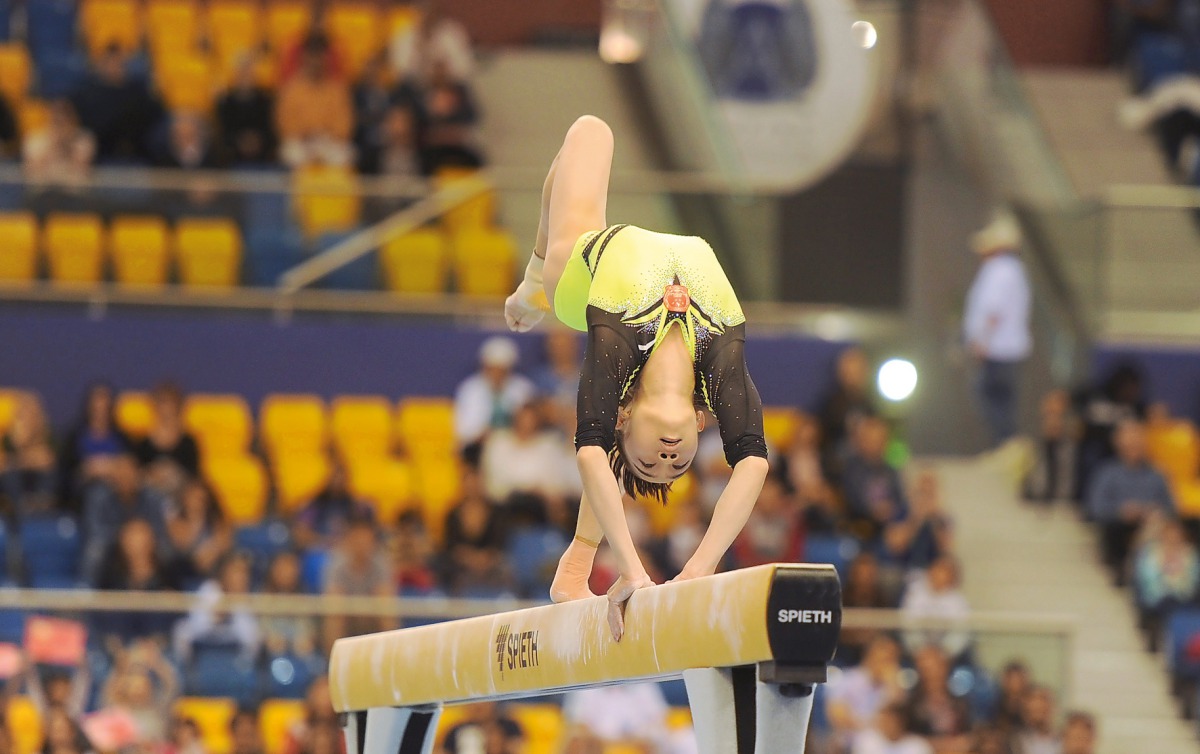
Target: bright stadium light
(897, 379)
(865, 34)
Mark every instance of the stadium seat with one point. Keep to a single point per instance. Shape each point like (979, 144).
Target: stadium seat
(1187, 497)
(326, 200)
(416, 262)
(663, 517)
(383, 483)
(542, 724)
(52, 547)
(235, 28)
(679, 717)
(402, 19)
(111, 22)
(240, 486)
(32, 116)
(212, 716)
(293, 423)
(1175, 449)
(779, 426)
(833, 549)
(312, 570)
(135, 413)
(356, 30)
(533, 554)
(289, 676)
(8, 407)
(208, 252)
(361, 427)
(484, 261)
(263, 542)
(477, 212)
(138, 244)
(16, 71)
(172, 25)
(299, 476)
(438, 486)
(287, 23)
(186, 80)
(221, 424)
(275, 718)
(74, 246)
(24, 725)
(426, 426)
(18, 238)
(450, 717)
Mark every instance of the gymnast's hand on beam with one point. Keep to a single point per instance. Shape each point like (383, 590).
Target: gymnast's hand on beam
(691, 571)
(618, 597)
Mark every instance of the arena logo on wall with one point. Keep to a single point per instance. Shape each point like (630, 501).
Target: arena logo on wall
(791, 81)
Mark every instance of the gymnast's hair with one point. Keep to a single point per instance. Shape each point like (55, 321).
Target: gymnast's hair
(632, 483)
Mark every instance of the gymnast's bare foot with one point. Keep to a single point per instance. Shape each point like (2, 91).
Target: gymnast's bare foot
(574, 569)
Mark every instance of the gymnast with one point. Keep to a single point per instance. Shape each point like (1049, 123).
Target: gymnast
(665, 336)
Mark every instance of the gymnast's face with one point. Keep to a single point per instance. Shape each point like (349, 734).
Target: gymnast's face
(660, 438)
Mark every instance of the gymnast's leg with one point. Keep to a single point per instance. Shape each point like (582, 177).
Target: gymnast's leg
(574, 201)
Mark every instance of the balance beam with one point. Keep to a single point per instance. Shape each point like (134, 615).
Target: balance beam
(782, 620)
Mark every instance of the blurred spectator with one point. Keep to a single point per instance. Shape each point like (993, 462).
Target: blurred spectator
(397, 152)
(94, 443)
(925, 534)
(108, 507)
(244, 732)
(1036, 734)
(864, 587)
(246, 127)
(1079, 734)
(1166, 574)
(144, 685)
(325, 738)
(189, 144)
(523, 458)
(321, 522)
(28, 458)
(632, 715)
(557, 379)
(450, 120)
(1124, 493)
(931, 710)
(197, 531)
(805, 472)
(413, 555)
(60, 154)
(485, 730)
(186, 737)
(314, 114)
(315, 42)
(856, 696)
(682, 538)
(287, 634)
(358, 567)
(8, 129)
(992, 739)
(1053, 474)
(318, 711)
(1119, 399)
(474, 541)
(62, 735)
(117, 108)
(489, 398)
(996, 322)
(168, 454)
(887, 735)
(874, 493)
(848, 402)
(209, 622)
(133, 564)
(436, 37)
(937, 594)
(774, 532)
(64, 689)
(1015, 682)
(712, 469)
(376, 99)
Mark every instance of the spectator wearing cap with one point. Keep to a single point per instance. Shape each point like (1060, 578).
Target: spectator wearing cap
(490, 398)
(996, 322)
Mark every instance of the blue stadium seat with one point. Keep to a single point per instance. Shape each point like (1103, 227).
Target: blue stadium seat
(533, 553)
(831, 548)
(263, 542)
(51, 25)
(288, 676)
(675, 692)
(360, 275)
(1158, 56)
(51, 547)
(270, 252)
(12, 626)
(216, 670)
(266, 211)
(312, 571)
(59, 74)
(1181, 646)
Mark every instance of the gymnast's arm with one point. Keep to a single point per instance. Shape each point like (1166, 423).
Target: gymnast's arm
(603, 494)
(732, 511)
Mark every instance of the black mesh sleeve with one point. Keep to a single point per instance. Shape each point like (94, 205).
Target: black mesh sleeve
(731, 395)
(610, 359)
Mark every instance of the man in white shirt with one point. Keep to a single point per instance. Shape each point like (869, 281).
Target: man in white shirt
(888, 736)
(489, 398)
(631, 714)
(996, 322)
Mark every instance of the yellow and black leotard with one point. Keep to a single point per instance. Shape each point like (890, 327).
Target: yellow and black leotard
(627, 287)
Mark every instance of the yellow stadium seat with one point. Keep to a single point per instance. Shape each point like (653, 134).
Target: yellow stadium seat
(139, 250)
(450, 717)
(135, 413)
(477, 212)
(235, 28)
(382, 482)
(779, 425)
(679, 717)
(416, 262)
(293, 423)
(438, 486)
(212, 716)
(623, 749)
(15, 71)
(221, 424)
(542, 725)
(299, 476)
(186, 81)
(402, 19)
(24, 725)
(362, 427)
(426, 426)
(663, 517)
(32, 115)
(356, 30)
(1174, 448)
(208, 252)
(287, 23)
(1187, 497)
(484, 260)
(240, 486)
(326, 199)
(172, 24)
(275, 718)
(111, 22)
(18, 239)
(8, 407)
(74, 245)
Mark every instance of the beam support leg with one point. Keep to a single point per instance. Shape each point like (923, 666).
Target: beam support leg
(735, 713)
(391, 730)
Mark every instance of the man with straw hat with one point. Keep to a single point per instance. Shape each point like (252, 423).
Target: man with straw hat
(996, 322)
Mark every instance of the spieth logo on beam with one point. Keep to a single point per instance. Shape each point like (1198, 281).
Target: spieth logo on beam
(805, 616)
(515, 650)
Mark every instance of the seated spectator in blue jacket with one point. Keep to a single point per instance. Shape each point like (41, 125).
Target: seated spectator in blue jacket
(93, 445)
(925, 534)
(133, 563)
(874, 493)
(108, 507)
(1124, 492)
(117, 108)
(1166, 572)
